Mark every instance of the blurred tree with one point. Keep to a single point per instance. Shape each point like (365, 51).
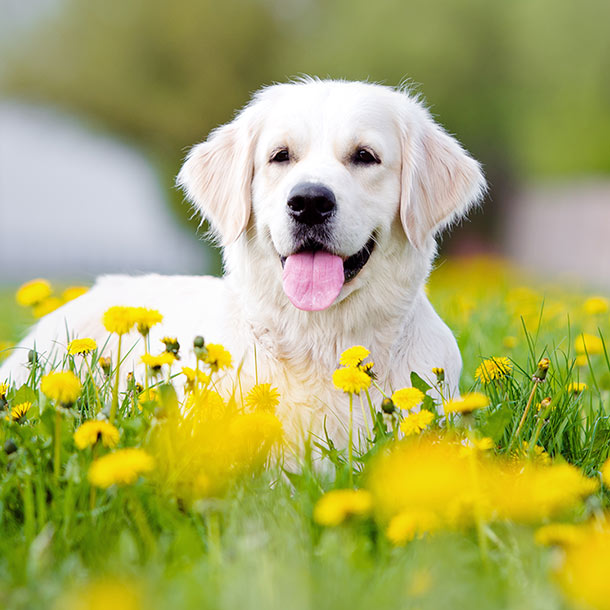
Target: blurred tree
(523, 84)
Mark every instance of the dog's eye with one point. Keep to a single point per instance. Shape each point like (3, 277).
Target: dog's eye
(364, 156)
(280, 156)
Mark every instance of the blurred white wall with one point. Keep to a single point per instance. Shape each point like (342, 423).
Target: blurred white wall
(75, 203)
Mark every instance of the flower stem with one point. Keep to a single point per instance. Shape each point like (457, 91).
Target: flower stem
(115, 389)
(350, 445)
(525, 412)
(57, 446)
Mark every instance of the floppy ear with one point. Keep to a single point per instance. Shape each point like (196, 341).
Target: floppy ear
(439, 182)
(217, 177)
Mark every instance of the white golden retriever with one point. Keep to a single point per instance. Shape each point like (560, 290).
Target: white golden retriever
(326, 197)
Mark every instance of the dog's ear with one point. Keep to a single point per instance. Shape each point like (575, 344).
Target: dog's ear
(439, 181)
(217, 176)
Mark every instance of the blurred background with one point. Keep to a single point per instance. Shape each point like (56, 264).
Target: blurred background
(99, 102)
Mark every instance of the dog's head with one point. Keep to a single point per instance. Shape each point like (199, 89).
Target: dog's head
(322, 171)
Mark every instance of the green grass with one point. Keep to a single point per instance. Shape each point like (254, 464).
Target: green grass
(257, 545)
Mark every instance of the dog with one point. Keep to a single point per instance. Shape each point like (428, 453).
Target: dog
(326, 197)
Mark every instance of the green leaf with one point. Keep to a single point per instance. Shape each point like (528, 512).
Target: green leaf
(24, 394)
(495, 424)
(419, 383)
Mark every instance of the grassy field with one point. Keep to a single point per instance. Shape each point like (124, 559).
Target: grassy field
(462, 513)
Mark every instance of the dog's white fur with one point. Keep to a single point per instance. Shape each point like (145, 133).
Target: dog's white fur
(424, 182)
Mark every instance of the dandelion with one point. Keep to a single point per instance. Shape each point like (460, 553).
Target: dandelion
(354, 356)
(586, 343)
(33, 292)
(62, 387)
(171, 345)
(105, 364)
(407, 398)
(577, 388)
(336, 506)
(263, 396)
(91, 432)
(439, 373)
(122, 467)
(194, 377)
(581, 360)
(217, 357)
(156, 362)
(145, 319)
(101, 594)
(407, 525)
(3, 389)
(493, 368)
(73, 292)
(509, 342)
(467, 403)
(415, 423)
(558, 534)
(81, 347)
(543, 367)
(544, 404)
(351, 380)
(119, 319)
(595, 305)
(18, 412)
(47, 306)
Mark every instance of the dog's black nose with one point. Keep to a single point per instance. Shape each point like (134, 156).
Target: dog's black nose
(311, 204)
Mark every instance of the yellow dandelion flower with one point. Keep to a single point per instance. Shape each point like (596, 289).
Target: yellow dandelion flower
(3, 389)
(577, 387)
(439, 373)
(33, 292)
(46, 306)
(217, 357)
(150, 395)
(262, 396)
(18, 412)
(583, 572)
(588, 344)
(407, 525)
(595, 305)
(351, 380)
(336, 506)
(145, 319)
(93, 431)
(467, 403)
(119, 319)
(102, 594)
(191, 374)
(156, 362)
(82, 347)
(581, 360)
(354, 356)
(558, 534)
(509, 342)
(415, 423)
(407, 398)
(73, 292)
(63, 387)
(123, 467)
(493, 368)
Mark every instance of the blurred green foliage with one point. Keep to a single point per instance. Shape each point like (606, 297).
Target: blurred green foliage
(524, 84)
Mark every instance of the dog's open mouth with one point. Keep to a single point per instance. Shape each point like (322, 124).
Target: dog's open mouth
(313, 277)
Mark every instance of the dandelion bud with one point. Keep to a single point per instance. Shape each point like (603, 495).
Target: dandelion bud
(105, 364)
(198, 342)
(544, 403)
(171, 346)
(33, 357)
(199, 347)
(10, 446)
(440, 374)
(387, 406)
(543, 367)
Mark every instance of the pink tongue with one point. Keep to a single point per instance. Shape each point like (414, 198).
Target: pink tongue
(313, 280)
